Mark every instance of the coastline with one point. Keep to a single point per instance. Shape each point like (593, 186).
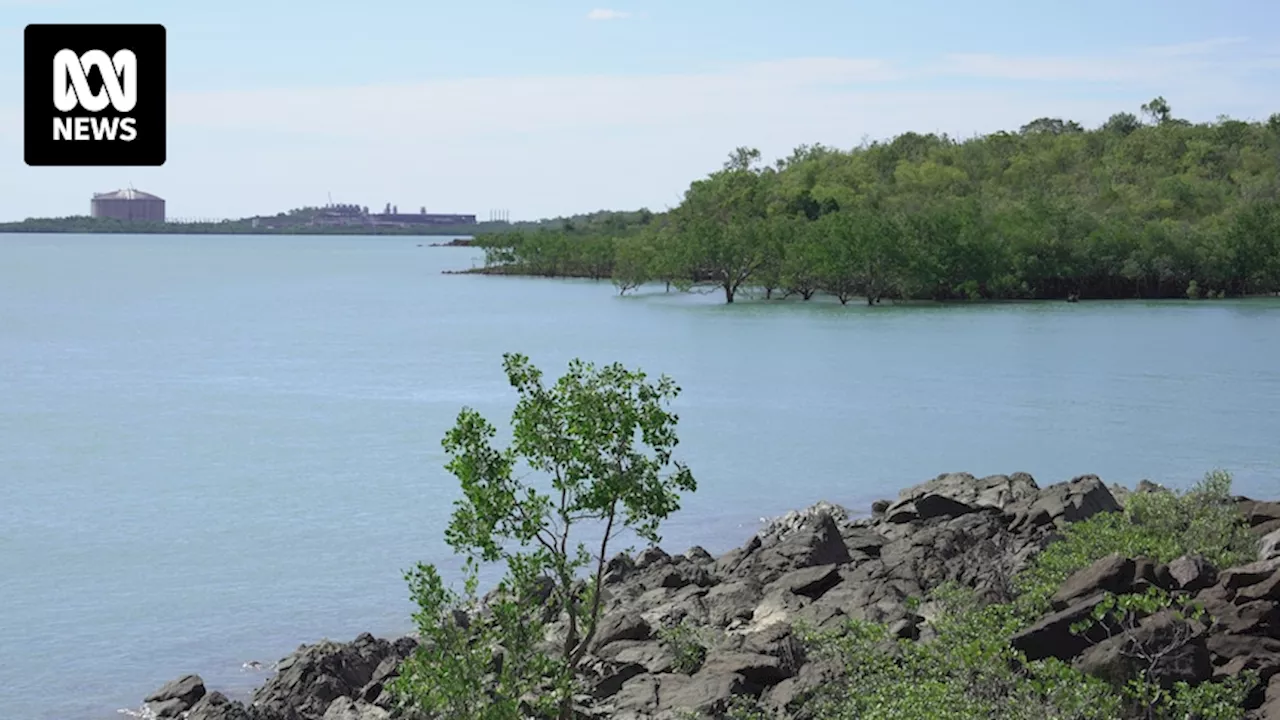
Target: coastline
(816, 565)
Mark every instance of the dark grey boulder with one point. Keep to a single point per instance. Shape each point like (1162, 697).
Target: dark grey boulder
(1113, 573)
(344, 708)
(216, 706)
(1192, 573)
(1080, 499)
(1052, 635)
(309, 680)
(1164, 648)
(176, 696)
(621, 626)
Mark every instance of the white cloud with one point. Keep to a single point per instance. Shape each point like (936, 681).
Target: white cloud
(1187, 62)
(603, 14)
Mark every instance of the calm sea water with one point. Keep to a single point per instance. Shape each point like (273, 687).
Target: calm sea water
(215, 448)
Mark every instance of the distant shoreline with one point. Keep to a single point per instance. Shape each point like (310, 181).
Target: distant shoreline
(178, 229)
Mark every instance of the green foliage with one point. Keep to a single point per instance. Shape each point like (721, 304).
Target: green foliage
(1161, 525)
(633, 263)
(1125, 210)
(1115, 610)
(601, 441)
(745, 707)
(687, 646)
(968, 671)
(1144, 696)
(454, 672)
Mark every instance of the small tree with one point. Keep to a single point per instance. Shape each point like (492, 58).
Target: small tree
(632, 263)
(602, 440)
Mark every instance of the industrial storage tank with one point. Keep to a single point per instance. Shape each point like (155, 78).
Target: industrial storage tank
(128, 204)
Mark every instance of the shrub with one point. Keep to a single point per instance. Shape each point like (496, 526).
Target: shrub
(596, 449)
(687, 646)
(968, 671)
(1161, 525)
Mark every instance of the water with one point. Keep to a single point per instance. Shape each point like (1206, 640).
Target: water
(215, 448)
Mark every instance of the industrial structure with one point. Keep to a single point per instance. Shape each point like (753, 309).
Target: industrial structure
(127, 204)
(346, 214)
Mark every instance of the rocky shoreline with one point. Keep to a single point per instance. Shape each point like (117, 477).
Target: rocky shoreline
(819, 567)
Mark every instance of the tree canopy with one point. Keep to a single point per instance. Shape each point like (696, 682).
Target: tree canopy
(1138, 207)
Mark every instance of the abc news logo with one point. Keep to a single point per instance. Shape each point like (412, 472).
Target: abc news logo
(107, 105)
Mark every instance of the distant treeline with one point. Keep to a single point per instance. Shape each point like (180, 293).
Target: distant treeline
(92, 225)
(1152, 208)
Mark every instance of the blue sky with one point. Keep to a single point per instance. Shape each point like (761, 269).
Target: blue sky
(556, 107)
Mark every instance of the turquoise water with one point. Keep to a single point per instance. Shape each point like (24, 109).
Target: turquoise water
(215, 448)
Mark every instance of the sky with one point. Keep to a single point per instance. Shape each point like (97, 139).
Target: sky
(551, 107)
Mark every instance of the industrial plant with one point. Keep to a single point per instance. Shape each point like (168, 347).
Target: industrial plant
(135, 205)
(127, 204)
(343, 214)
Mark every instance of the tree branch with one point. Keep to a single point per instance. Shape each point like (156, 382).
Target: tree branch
(593, 618)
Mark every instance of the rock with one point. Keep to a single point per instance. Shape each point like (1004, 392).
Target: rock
(785, 697)
(704, 692)
(216, 706)
(757, 669)
(637, 698)
(1079, 499)
(653, 656)
(1113, 573)
(1246, 575)
(779, 641)
(734, 600)
(995, 491)
(618, 569)
(926, 507)
(1254, 618)
(679, 576)
(779, 605)
(818, 568)
(1120, 493)
(1259, 513)
(862, 543)
(801, 520)
(1146, 486)
(1192, 573)
(651, 556)
(621, 626)
(816, 542)
(1233, 654)
(664, 607)
(1265, 528)
(1052, 636)
(1167, 648)
(310, 679)
(699, 555)
(345, 708)
(1268, 589)
(1270, 709)
(1269, 546)
(609, 677)
(810, 582)
(176, 696)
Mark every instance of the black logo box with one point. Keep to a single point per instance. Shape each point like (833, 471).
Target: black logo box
(41, 43)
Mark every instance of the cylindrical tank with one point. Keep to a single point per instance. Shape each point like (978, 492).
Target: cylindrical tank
(128, 204)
